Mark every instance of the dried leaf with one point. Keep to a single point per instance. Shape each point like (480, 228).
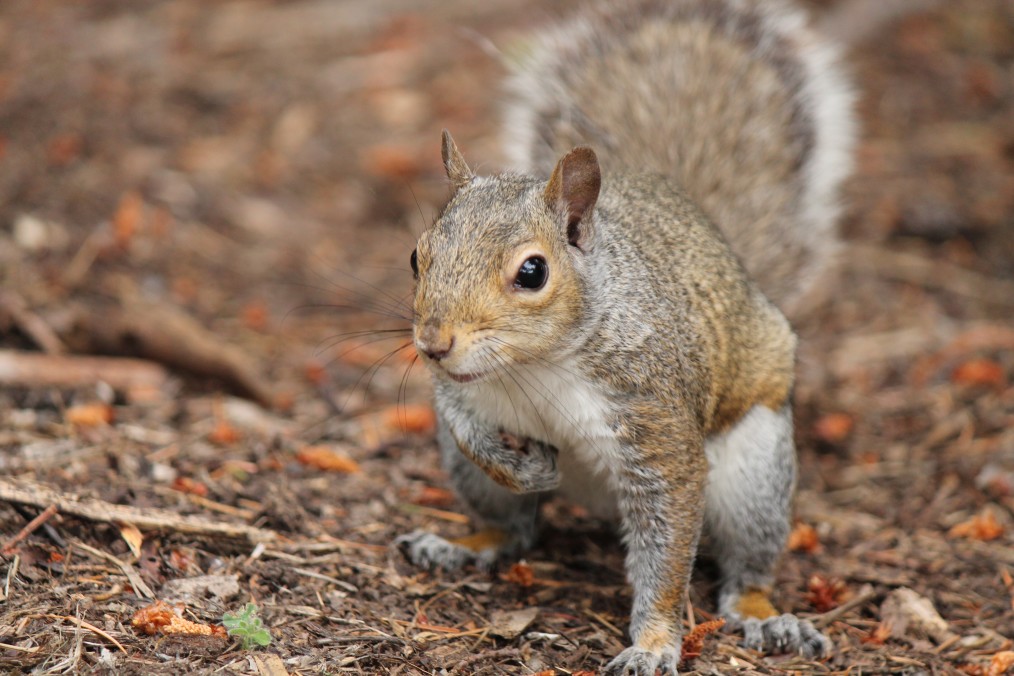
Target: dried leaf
(162, 618)
(64, 149)
(826, 593)
(511, 623)
(520, 574)
(431, 496)
(413, 418)
(803, 538)
(907, 614)
(983, 526)
(327, 459)
(185, 484)
(693, 643)
(90, 415)
(315, 373)
(127, 218)
(224, 434)
(878, 635)
(980, 372)
(255, 315)
(1001, 663)
(834, 428)
(132, 536)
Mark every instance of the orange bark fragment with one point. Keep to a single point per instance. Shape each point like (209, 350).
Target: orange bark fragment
(983, 526)
(185, 484)
(327, 459)
(520, 574)
(127, 218)
(826, 593)
(413, 418)
(693, 643)
(90, 415)
(834, 428)
(162, 618)
(224, 434)
(1001, 663)
(979, 372)
(431, 496)
(803, 538)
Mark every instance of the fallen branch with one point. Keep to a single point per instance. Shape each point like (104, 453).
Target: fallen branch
(864, 595)
(34, 369)
(30, 493)
(169, 336)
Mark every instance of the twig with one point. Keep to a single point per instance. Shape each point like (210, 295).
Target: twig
(14, 307)
(140, 587)
(90, 627)
(482, 657)
(31, 493)
(8, 646)
(168, 335)
(29, 528)
(327, 578)
(864, 595)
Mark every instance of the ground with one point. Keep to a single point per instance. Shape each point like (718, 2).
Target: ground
(231, 191)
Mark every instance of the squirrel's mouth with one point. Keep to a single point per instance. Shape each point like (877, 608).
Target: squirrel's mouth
(464, 377)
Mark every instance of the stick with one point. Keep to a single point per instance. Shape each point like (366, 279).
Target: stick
(89, 627)
(864, 595)
(140, 587)
(32, 369)
(29, 528)
(31, 493)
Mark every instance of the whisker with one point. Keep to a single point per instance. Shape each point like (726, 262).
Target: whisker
(372, 371)
(335, 341)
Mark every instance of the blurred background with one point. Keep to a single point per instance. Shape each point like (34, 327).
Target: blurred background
(231, 190)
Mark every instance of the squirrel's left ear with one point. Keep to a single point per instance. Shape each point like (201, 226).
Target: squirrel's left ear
(573, 189)
(454, 163)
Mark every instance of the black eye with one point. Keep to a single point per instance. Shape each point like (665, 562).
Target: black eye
(415, 264)
(532, 274)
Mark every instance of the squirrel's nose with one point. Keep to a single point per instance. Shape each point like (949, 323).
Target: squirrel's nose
(433, 344)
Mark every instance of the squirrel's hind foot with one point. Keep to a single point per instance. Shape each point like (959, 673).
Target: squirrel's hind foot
(431, 551)
(636, 661)
(785, 634)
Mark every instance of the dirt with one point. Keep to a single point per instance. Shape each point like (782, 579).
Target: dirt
(263, 168)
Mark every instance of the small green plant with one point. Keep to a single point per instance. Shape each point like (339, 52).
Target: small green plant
(247, 627)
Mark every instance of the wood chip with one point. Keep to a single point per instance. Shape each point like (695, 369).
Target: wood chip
(512, 623)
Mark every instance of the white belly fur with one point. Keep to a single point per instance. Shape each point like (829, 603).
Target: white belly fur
(554, 404)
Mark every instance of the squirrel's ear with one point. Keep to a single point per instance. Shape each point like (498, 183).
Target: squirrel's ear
(454, 163)
(573, 189)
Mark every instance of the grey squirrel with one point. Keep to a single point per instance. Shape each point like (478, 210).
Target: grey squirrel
(607, 321)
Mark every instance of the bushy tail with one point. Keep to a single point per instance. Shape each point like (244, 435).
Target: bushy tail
(738, 100)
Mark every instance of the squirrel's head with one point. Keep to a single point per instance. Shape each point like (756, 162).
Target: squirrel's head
(501, 274)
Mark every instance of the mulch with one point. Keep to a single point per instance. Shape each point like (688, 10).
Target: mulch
(212, 206)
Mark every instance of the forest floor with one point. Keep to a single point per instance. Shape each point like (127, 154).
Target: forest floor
(228, 193)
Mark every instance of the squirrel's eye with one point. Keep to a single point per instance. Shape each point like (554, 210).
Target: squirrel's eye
(414, 260)
(532, 274)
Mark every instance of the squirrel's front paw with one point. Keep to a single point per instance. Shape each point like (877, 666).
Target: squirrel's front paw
(785, 634)
(533, 463)
(636, 661)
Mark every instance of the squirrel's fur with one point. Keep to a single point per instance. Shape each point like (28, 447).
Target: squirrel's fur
(596, 334)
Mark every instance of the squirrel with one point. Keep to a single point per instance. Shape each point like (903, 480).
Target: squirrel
(608, 321)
